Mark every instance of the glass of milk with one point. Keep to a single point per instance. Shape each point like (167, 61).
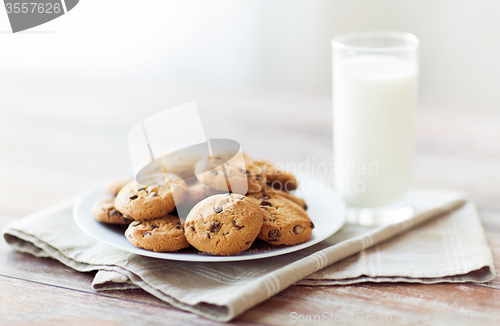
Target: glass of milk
(375, 79)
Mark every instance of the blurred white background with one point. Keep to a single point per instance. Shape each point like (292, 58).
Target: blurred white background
(71, 89)
(275, 44)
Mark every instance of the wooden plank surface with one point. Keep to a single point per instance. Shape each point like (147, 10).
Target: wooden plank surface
(29, 303)
(47, 157)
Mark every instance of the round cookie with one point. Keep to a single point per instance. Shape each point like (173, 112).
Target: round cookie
(276, 178)
(196, 192)
(256, 179)
(182, 162)
(162, 234)
(284, 221)
(240, 178)
(299, 201)
(104, 211)
(224, 224)
(114, 185)
(159, 197)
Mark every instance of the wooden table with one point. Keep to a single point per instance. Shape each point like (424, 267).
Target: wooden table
(60, 136)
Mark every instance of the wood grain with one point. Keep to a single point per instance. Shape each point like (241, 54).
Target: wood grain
(392, 299)
(50, 153)
(29, 303)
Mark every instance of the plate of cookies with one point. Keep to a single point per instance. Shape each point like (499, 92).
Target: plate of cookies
(210, 211)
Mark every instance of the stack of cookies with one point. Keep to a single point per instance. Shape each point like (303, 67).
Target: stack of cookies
(225, 205)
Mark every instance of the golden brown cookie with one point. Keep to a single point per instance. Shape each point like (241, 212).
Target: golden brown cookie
(224, 224)
(104, 211)
(114, 185)
(232, 175)
(284, 221)
(196, 192)
(299, 201)
(162, 234)
(276, 178)
(182, 162)
(160, 197)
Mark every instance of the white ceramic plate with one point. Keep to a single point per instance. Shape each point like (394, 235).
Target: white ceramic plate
(325, 207)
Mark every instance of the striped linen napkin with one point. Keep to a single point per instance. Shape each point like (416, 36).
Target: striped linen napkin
(443, 242)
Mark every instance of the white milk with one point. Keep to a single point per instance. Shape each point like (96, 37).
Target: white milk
(374, 99)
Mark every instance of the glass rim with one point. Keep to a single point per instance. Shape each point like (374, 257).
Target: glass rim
(339, 41)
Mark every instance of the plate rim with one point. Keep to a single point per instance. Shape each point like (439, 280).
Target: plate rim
(210, 258)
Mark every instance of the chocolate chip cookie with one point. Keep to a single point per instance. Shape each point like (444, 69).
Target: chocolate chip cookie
(196, 192)
(156, 199)
(233, 175)
(299, 201)
(276, 178)
(284, 221)
(224, 224)
(104, 211)
(162, 234)
(182, 162)
(114, 185)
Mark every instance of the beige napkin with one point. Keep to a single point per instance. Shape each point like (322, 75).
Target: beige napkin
(450, 248)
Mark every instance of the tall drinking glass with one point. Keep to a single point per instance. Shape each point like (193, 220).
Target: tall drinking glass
(375, 78)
